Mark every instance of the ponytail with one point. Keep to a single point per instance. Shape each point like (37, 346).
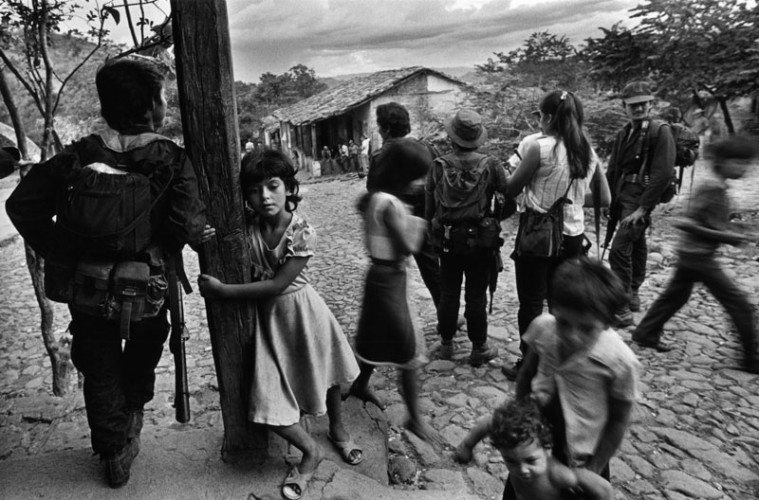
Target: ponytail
(566, 121)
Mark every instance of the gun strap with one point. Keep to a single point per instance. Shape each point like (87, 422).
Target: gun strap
(182, 277)
(596, 192)
(124, 320)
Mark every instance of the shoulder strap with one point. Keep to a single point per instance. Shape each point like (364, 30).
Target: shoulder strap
(643, 148)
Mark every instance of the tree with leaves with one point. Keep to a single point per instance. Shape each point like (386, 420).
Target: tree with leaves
(545, 60)
(298, 83)
(687, 48)
(618, 57)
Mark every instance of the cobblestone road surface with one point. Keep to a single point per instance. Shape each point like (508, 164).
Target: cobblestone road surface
(696, 429)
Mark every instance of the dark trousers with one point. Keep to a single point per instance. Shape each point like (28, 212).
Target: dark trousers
(533, 279)
(117, 381)
(428, 262)
(678, 291)
(629, 250)
(474, 268)
(356, 165)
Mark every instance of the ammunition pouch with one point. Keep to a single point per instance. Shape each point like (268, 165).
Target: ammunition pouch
(125, 291)
(465, 238)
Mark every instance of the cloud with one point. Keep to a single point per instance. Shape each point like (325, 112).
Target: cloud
(350, 36)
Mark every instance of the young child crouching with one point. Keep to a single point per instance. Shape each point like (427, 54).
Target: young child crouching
(579, 371)
(523, 436)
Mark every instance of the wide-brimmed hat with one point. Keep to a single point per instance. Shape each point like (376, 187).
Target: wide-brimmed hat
(636, 92)
(465, 128)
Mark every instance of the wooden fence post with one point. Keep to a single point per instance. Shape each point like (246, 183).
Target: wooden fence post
(211, 137)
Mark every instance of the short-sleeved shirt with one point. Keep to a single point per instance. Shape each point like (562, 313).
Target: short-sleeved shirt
(585, 383)
(298, 240)
(552, 179)
(709, 208)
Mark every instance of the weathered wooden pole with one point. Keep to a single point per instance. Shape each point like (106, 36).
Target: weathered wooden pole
(209, 123)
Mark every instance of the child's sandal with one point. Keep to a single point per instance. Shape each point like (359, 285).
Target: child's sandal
(295, 483)
(351, 453)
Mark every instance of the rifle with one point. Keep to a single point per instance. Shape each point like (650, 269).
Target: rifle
(179, 334)
(597, 214)
(611, 226)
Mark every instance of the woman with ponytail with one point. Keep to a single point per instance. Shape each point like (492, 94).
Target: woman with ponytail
(557, 162)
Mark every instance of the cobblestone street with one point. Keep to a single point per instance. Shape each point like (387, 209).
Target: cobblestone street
(695, 432)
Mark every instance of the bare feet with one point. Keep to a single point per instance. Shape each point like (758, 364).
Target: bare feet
(424, 432)
(463, 454)
(310, 460)
(367, 396)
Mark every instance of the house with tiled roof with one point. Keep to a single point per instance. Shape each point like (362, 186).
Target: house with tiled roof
(347, 111)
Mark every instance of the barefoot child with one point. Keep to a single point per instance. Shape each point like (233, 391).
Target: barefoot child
(301, 353)
(523, 436)
(705, 227)
(578, 370)
(385, 333)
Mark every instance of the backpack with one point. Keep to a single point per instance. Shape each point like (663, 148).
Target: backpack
(464, 216)
(105, 210)
(103, 215)
(686, 144)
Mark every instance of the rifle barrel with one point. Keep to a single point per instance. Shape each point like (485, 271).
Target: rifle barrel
(177, 344)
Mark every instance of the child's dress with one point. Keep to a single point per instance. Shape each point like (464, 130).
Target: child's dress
(386, 334)
(300, 349)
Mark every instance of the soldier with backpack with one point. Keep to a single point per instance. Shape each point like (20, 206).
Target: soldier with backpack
(105, 213)
(687, 143)
(464, 231)
(640, 172)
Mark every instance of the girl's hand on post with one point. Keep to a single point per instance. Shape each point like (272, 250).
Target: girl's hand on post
(208, 233)
(210, 287)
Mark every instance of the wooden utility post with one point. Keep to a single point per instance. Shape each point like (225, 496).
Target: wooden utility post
(211, 137)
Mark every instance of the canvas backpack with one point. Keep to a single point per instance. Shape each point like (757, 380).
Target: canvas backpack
(686, 145)
(104, 212)
(464, 218)
(103, 215)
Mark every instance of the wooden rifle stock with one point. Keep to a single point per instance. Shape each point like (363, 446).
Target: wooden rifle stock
(179, 335)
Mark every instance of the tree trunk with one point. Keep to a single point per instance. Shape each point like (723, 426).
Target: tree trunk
(726, 114)
(209, 123)
(59, 352)
(18, 126)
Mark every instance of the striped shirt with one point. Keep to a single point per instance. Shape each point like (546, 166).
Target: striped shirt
(551, 180)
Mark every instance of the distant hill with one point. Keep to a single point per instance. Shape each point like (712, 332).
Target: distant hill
(464, 73)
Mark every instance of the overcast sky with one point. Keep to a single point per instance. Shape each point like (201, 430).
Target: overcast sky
(353, 36)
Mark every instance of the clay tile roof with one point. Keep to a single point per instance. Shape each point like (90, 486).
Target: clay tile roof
(350, 94)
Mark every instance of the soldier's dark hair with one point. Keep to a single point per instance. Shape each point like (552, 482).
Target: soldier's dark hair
(258, 166)
(587, 286)
(410, 161)
(394, 118)
(128, 88)
(518, 422)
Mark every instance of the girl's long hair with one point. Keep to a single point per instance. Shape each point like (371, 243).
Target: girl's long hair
(261, 165)
(566, 121)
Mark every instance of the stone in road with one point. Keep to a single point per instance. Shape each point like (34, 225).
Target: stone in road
(695, 432)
